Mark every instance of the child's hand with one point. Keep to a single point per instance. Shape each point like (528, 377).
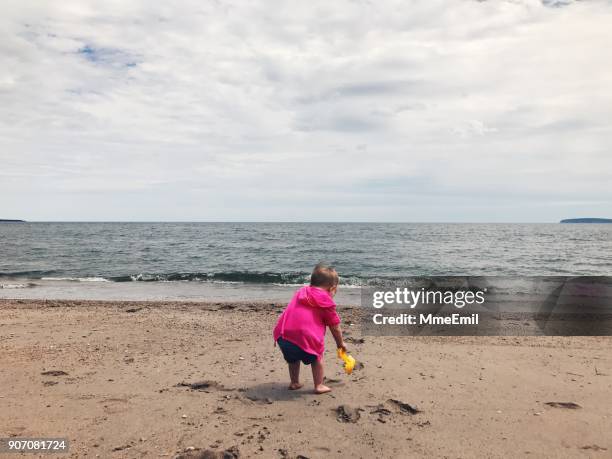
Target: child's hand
(337, 333)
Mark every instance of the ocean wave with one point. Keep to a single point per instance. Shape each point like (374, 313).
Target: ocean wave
(76, 279)
(15, 286)
(249, 277)
(229, 277)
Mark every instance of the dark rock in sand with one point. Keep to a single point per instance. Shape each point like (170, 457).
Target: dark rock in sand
(49, 383)
(133, 310)
(355, 340)
(404, 408)
(594, 447)
(380, 409)
(54, 373)
(346, 413)
(382, 412)
(202, 385)
(567, 405)
(231, 453)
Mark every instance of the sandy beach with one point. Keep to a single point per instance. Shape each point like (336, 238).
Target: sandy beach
(168, 379)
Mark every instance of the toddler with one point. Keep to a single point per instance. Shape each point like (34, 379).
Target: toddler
(300, 330)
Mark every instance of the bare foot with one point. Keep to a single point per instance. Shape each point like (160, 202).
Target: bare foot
(321, 389)
(295, 386)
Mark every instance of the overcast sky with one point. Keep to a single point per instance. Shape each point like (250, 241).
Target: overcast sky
(425, 110)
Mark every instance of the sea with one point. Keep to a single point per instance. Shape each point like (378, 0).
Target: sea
(268, 261)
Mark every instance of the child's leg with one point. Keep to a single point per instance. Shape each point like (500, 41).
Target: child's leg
(317, 376)
(294, 375)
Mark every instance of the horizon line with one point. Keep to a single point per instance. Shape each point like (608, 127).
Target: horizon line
(279, 221)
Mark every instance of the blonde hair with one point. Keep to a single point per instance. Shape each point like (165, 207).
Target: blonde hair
(324, 275)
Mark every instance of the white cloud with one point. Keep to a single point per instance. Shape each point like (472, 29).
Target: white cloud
(415, 110)
(472, 128)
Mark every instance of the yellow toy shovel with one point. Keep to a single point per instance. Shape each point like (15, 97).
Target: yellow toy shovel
(349, 361)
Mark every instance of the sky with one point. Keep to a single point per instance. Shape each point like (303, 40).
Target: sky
(422, 110)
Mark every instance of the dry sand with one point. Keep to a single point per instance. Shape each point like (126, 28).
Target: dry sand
(126, 363)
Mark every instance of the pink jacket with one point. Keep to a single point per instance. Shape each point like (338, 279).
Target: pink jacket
(304, 319)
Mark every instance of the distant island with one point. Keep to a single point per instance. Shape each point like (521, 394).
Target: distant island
(587, 220)
(11, 221)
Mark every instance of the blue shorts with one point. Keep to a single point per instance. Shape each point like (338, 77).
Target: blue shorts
(294, 353)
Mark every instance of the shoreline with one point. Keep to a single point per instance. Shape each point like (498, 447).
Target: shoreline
(127, 363)
(155, 291)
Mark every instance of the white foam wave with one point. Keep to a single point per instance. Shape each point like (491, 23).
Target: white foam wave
(12, 286)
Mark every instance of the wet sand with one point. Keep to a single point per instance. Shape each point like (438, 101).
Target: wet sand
(167, 379)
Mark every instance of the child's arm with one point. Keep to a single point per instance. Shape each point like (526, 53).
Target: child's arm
(337, 334)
